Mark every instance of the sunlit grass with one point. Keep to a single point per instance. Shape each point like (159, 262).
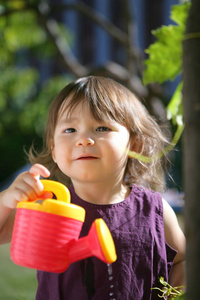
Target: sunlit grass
(16, 283)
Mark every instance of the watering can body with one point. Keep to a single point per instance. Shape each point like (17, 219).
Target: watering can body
(46, 236)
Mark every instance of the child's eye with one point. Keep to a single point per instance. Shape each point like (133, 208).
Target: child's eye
(103, 129)
(70, 130)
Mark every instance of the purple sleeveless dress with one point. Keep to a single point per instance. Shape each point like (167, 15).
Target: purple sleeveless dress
(136, 225)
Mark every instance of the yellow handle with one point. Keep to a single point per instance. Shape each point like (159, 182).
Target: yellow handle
(60, 206)
(58, 189)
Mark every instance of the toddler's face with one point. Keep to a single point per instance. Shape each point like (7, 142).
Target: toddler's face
(87, 150)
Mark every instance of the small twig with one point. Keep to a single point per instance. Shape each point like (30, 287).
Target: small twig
(191, 35)
(147, 159)
(168, 290)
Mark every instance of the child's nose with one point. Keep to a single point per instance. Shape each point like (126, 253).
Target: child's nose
(85, 141)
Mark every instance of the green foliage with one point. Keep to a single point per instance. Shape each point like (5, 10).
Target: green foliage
(169, 291)
(165, 55)
(174, 108)
(23, 32)
(34, 117)
(25, 94)
(165, 62)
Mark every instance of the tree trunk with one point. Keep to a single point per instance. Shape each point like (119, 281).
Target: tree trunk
(191, 101)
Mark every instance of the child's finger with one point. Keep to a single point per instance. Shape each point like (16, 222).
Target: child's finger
(27, 186)
(40, 170)
(36, 171)
(46, 195)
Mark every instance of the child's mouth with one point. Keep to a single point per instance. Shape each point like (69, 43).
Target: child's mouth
(87, 158)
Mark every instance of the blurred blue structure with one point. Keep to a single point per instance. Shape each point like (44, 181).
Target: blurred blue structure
(92, 44)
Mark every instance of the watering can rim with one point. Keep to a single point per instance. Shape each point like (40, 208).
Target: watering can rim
(60, 206)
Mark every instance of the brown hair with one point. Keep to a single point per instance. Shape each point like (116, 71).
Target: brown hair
(108, 99)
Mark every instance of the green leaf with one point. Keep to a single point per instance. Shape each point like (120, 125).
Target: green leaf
(179, 13)
(174, 108)
(165, 55)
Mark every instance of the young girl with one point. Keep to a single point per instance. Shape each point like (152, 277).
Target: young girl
(92, 124)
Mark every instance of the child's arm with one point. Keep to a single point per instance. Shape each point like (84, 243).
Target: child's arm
(26, 186)
(176, 239)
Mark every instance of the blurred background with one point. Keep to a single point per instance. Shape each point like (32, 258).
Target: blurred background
(46, 44)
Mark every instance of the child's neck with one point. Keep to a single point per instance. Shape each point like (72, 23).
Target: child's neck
(101, 193)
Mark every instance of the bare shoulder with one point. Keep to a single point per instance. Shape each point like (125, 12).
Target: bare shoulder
(173, 233)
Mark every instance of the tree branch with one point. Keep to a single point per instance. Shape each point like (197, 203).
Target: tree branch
(64, 52)
(114, 31)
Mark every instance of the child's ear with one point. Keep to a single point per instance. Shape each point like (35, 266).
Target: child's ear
(137, 145)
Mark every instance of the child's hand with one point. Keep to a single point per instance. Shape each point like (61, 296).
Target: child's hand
(27, 186)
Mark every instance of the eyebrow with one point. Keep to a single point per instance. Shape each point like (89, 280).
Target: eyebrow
(66, 120)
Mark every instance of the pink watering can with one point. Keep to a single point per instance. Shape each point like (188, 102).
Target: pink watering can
(45, 236)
